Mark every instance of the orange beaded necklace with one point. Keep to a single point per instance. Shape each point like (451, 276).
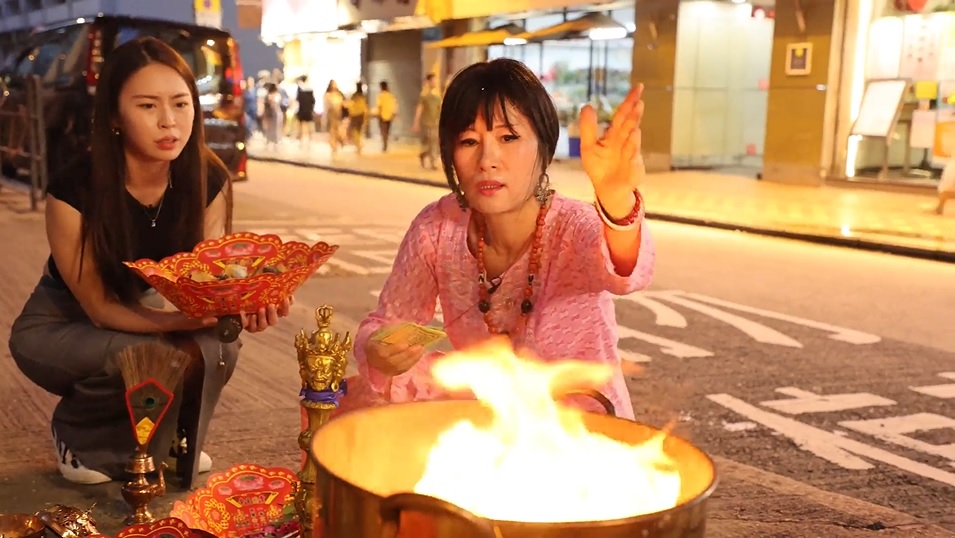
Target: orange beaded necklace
(484, 293)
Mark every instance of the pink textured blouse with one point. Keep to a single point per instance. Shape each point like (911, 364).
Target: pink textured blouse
(573, 314)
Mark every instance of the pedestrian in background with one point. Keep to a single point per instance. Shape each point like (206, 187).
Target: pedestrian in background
(250, 106)
(272, 117)
(305, 111)
(386, 108)
(334, 103)
(426, 121)
(357, 117)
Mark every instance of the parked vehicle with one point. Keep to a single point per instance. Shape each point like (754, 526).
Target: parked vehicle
(68, 59)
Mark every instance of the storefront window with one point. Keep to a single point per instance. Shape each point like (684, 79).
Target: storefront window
(325, 58)
(902, 84)
(577, 71)
(723, 58)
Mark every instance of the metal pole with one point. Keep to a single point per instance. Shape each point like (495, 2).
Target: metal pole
(32, 128)
(43, 179)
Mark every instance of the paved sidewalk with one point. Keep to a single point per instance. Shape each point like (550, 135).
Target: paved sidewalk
(258, 421)
(900, 223)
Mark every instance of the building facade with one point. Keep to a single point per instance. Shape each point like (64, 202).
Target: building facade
(858, 91)
(793, 91)
(18, 18)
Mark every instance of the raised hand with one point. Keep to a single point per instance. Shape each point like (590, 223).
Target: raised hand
(613, 162)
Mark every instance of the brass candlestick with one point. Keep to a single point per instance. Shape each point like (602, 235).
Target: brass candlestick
(322, 359)
(138, 492)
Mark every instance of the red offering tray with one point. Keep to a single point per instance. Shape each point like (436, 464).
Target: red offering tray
(239, 502)
(241, 272)
(169, 527)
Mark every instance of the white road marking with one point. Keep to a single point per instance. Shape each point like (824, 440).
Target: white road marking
(842, 334)
(834, 448)
(666, 316)
(385, 257)
(740, 426)
(895, 429)
(802, 401)
(348, 266)
(946, 391)
(668, 347)
(757, 331)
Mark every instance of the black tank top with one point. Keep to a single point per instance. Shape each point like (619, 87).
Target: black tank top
(151, 242)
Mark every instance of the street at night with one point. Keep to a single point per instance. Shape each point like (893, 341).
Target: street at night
(827, 366)
(240, 175)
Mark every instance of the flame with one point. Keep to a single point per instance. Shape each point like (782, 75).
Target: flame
(535, 462)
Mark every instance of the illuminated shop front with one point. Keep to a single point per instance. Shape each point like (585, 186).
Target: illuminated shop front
(898, 91)
(722, 72)
(312, 44)
(581, 54)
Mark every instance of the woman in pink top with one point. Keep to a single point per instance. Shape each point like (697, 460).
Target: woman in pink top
(503, 253)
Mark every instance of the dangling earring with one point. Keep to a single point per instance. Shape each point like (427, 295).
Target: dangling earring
(543, 192)
(116, 131)
(459, 194)
(462, 201)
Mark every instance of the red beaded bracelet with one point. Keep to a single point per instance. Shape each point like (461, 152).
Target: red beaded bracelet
(629, 222)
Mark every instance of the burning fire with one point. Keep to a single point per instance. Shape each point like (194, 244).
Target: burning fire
(533, 463)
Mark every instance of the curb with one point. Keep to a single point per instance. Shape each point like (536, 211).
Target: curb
(837, 241)
(352, 171)
(846, 242)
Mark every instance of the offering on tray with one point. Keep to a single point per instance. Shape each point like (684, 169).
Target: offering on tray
(241, 272)
(169, 527)
(246, 500)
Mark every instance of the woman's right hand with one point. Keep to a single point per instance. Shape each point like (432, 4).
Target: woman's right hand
(391, 359)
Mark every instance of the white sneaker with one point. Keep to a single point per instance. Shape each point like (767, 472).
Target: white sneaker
(72, 469)
(205, 461)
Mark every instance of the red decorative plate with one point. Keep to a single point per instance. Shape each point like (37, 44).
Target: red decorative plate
(263, 271)
(236, 503)
(169, 527)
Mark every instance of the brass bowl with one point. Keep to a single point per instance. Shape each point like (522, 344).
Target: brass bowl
(21, 526)
(363, 490)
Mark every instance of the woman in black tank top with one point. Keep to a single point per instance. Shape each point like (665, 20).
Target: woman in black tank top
(149, 187)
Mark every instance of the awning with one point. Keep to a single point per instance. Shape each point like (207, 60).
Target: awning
(593, 25)
(484, 38)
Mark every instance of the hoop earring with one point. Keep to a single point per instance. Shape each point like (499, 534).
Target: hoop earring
(543, 192)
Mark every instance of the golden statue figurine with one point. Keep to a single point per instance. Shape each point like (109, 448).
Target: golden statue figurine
(322, 360)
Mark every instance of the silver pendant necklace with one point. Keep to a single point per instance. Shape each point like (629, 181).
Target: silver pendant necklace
(154, 218)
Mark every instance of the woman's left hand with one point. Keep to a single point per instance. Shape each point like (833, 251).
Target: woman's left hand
(613, 162)
(266, 317)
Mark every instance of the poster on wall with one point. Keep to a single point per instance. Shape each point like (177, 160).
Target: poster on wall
(798, 59)
(920, 46)
(880, 107)
(208, 13)
(922, 135)
(944, 137)
(946, 56)
(885, 48)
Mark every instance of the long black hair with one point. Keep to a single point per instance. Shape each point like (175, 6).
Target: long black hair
(106, 224)
(484, 87)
